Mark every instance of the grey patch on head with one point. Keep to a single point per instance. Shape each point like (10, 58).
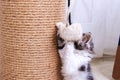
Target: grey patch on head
(91, 45)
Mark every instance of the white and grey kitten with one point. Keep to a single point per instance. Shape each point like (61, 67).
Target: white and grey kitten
(75, 57)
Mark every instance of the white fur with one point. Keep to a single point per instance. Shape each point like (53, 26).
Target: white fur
(72, 59)
(70, 33)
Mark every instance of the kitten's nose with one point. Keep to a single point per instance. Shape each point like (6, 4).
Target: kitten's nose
(69, 47)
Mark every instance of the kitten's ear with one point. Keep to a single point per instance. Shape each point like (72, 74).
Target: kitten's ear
(86, 37)
(90, 33)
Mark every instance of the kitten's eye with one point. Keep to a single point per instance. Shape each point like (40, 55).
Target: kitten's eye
(78, 46)
(60, 42)
(81, 44)
(59, 38)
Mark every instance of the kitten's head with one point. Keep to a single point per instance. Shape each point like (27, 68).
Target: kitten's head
(86, 43)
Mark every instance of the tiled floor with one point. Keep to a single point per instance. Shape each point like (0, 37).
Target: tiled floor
(102, 68)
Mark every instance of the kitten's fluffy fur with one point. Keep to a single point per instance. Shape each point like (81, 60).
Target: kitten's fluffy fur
(74, 51)
(75, 61)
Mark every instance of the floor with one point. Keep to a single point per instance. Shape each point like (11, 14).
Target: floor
(102, 68)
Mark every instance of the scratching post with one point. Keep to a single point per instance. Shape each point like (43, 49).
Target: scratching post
(116, 69)
(28, 49)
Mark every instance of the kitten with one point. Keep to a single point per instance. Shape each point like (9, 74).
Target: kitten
(75, 58)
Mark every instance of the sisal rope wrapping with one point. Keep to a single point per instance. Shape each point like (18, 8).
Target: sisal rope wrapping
(28, 48)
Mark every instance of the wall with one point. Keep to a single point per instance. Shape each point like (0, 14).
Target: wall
(102, 18)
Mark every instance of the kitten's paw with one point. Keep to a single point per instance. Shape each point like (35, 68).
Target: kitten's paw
(59, 25)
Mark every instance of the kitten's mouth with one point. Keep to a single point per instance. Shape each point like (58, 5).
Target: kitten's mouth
(71, 41)
(89, 56)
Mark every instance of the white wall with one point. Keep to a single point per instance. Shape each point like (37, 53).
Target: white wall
(112, 26)
(102, 18)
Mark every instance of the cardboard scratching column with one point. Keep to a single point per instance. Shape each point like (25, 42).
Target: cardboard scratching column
(28, 49)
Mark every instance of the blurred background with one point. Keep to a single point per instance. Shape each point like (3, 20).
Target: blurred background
(102, 18)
